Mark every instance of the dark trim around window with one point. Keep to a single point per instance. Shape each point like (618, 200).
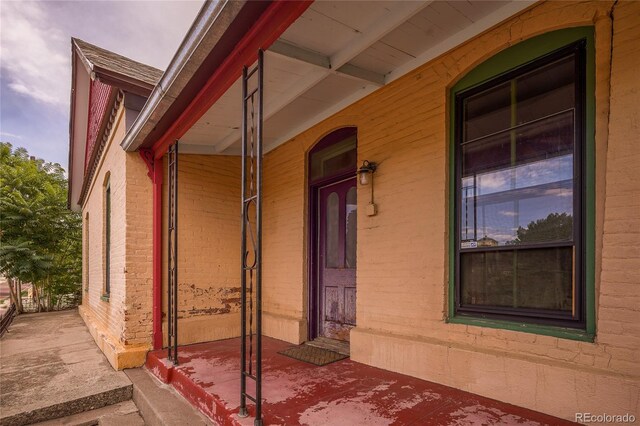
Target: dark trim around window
(107, 240)
(515, 61)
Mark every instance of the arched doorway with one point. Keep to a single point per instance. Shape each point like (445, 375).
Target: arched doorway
(332, 238)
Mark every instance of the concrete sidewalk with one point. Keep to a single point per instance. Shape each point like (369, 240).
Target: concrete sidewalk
(50, 367)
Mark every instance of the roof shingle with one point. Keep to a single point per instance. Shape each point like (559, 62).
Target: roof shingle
(106, 60)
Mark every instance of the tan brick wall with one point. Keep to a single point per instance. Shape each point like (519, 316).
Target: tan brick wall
(619, 296)
(208, 248)
(138, 310)
(122, 325)
(209, 252)
(284, 243)
(107, 316)
(402, 275)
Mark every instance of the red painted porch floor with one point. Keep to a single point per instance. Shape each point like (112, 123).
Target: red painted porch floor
(343, 393)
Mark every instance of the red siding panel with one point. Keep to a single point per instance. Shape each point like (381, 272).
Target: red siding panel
(99, 94)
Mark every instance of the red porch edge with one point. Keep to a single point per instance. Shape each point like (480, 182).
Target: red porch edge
(271, 24)
(344, 392)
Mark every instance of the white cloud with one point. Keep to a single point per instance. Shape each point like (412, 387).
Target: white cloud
(32, 61)
(10, 135)
(495, 180)
(509, 213)
(559, 192)
(36, 48)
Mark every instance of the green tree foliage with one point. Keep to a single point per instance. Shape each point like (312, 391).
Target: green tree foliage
(40, 239)
(555, 227)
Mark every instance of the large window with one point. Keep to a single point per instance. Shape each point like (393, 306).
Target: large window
(519, 192)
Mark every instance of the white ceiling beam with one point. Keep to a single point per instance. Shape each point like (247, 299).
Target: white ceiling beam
(288, 50)
(198, 149)
(279, 102)
(481, 25)
(225, 143)
(383, 26)
(297, 53)
(357, 73)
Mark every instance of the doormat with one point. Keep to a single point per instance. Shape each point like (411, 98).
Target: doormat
(312, 355)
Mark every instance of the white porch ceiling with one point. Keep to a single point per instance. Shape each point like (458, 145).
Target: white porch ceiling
(338, 52)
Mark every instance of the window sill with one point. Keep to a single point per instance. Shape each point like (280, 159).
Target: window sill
(545, 330)
(104, 297)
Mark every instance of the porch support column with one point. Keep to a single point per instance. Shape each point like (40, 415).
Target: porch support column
(154, 171)
(157, 254)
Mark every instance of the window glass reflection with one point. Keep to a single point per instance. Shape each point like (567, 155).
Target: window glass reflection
(517, 187)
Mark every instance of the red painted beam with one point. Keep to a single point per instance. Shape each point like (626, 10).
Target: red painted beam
(271, 24)
(147, 157)
(154, 171)
(157, 253)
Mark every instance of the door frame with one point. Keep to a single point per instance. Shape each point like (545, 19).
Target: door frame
(313, 287)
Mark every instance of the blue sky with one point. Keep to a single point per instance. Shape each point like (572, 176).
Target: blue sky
(35, 58)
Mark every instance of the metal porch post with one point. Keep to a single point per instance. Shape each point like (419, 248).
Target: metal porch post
(251, 241)
(172, 255)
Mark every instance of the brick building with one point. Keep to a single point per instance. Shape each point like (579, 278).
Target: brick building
(499, 252)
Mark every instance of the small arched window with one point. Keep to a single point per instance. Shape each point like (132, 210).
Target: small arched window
(333, 155)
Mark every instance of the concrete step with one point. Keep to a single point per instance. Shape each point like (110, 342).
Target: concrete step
(68, 407)
(160, 404)
(131, 419)
(122, 413)
(330, 344)
(50, 367)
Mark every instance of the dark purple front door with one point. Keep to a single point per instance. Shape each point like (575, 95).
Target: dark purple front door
(337, 259)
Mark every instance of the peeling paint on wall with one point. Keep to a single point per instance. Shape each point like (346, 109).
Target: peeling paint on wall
(212, 300)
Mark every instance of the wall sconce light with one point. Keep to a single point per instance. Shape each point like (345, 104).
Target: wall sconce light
(365, 170)
(365, 175)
